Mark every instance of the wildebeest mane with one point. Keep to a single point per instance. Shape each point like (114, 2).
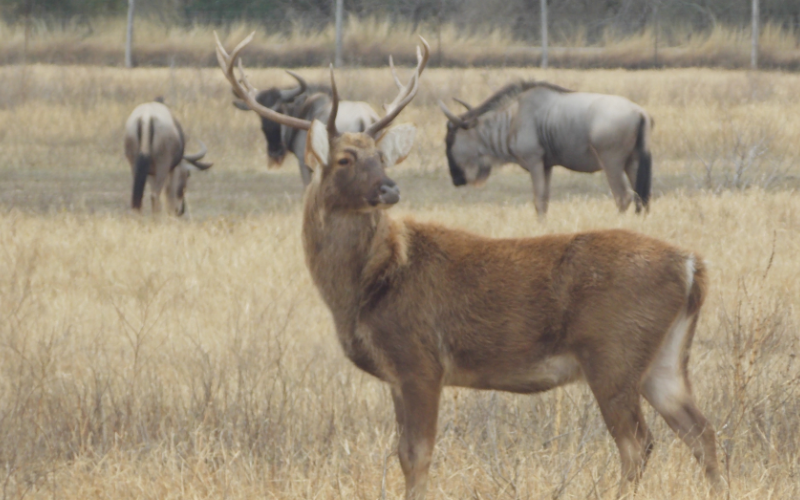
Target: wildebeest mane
(508, 93)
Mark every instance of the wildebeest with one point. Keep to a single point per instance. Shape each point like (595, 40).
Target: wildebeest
(309, 102)
(539, 125)
(421, 306)
(154, 146)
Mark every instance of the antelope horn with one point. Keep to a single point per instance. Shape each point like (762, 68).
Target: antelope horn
(288, 95)
(452, 117)
(407, 92)
(463, 103)
(247, 92)
(334, 107)
(196, 156)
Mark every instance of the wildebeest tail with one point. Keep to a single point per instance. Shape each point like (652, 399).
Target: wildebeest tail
(644, 174)
(141, 169)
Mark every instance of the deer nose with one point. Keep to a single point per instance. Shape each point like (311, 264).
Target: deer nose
(390, 193)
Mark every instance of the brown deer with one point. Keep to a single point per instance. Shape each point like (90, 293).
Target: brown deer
(421, 306)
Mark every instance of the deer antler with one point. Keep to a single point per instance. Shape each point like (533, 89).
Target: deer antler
(421, 63)
(247, 92)
(406, 94)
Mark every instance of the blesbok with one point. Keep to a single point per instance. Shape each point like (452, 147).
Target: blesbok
(539, 125)
(309, 102)
(154, 146)
(421, 306)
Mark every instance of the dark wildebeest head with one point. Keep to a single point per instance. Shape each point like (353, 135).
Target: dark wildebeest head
(467, 164)
(275, 99)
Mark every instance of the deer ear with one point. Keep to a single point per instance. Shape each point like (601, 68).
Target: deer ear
(396, 143)
(317, 146)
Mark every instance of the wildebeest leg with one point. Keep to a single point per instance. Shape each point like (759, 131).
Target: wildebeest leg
(614, 166)
(299, 149)
(540, 176)
(631, 167)
(416, 407)
(157, 185)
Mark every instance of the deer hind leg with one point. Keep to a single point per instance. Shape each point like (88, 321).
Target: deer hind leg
(617, 393)
(417, 409)
(666, 386)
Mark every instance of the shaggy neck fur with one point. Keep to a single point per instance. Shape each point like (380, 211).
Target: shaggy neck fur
(352, 257)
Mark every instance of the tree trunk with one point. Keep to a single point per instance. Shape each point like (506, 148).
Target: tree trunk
(129, 37)
(754, 49)
(543, 4)
(337, 61)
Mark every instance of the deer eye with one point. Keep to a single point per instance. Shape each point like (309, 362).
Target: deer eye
(344, 161)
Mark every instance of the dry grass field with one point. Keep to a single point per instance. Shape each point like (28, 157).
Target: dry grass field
(192, 358)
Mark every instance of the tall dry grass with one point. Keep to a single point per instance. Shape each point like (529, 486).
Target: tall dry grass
(163, 359)
(368, 42)
(159, 359)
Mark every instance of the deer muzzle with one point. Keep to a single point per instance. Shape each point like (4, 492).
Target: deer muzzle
(389, 193)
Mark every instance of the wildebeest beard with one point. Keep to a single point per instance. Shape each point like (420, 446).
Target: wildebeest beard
(456, 172)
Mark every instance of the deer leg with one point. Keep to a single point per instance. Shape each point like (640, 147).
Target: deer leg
(617, 394)
(666, 386)
(417, 408)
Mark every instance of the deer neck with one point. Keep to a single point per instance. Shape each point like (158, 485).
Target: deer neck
(350, 255)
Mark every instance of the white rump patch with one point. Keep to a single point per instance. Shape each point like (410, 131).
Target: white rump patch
(690, 270)
(317, 146)
(396, 143)
(664, 385)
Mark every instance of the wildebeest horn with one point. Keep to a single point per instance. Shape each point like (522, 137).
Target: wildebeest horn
(452, 117)
(463, 103)
(408, 92)
(334, 107)
(288, 95)
(247, 92)
(198, 155)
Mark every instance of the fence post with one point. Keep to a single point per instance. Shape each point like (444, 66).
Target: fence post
(754, 29)
(129, 36)
(337, 61)
(543, 4)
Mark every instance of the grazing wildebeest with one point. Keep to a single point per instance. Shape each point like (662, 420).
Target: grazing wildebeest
(154, 146)
(538, 125)
(309, 102)
(421, 306)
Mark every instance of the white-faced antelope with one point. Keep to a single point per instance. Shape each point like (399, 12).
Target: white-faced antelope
(154, 146)
(309, 102)
(421, 306)
(538, 126)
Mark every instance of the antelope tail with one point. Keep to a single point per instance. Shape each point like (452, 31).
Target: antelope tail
(644, 174)
(144, 159)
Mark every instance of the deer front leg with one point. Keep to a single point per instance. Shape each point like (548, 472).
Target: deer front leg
(417, 409)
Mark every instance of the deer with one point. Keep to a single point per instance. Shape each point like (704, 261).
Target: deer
(422, 307)
(154, 147)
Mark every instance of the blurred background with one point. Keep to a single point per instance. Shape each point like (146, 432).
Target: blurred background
(580, 33)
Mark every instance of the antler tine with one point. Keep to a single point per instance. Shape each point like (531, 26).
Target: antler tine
(334, 107)
(408, 93)
(247, 92)
(200, 154)
(394, 73)
(421, 62)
